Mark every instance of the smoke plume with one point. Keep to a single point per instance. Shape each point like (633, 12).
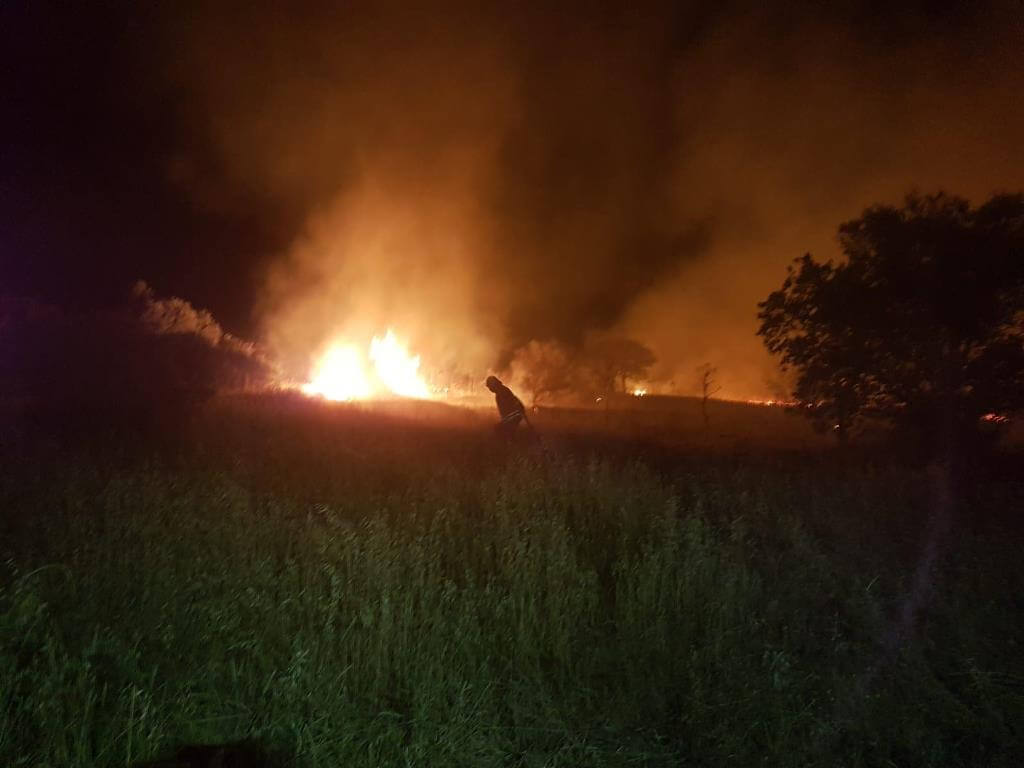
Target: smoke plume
(479, 178)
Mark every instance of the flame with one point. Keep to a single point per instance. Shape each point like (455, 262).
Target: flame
(344, 373)
(396, 368)
(339, 375)
(639, 392)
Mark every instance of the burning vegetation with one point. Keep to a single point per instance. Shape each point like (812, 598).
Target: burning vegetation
(385, 369)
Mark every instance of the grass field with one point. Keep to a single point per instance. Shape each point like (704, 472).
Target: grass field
(377, 586)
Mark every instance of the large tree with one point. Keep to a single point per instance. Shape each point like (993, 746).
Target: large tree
(612, 361)
(922, 322)
(545, 369)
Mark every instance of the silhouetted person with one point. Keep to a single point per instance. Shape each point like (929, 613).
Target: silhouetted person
(510, 407)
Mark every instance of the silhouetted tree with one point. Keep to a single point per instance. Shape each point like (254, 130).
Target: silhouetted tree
(117, 365)
(708, 388)
(612, 361)
(923, 323)
(544, 369)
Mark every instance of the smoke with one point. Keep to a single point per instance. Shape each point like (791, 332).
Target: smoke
(479, 178)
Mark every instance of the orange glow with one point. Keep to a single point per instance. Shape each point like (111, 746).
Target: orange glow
(339, 375)
(397, 370)
(344, 373)
(996, 418)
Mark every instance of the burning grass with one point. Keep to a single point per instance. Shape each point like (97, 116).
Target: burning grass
(343, 373)
(351, 587)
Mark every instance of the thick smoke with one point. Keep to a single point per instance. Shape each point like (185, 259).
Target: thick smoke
(789, 134)
(479, 179)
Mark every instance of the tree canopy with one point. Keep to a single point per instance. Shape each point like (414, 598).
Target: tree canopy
(544, 369)
(921, 323)
(550, 370)
(614, 360)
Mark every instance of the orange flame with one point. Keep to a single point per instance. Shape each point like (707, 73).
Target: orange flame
(345, 373)
(396, 369)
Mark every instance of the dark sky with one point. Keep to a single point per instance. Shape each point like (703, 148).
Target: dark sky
(483, 176)
(91, 131)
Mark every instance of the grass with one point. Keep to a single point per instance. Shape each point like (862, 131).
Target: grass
(344, 587)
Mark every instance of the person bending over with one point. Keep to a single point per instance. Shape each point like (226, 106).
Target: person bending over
(510, 407)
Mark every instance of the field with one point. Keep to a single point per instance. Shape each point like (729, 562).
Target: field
(372, 586)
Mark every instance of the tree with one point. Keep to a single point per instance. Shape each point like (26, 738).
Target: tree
(124, 359)
(544, 369)
(612, 361)
(708, 387)
(922, 323)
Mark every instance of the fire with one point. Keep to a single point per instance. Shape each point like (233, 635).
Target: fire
(996, 418)
(345, 373)
(396, 369)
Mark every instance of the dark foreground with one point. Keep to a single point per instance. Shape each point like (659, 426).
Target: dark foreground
(334, 587)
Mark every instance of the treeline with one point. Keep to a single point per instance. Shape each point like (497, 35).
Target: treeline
(552, 372)
(146, 354)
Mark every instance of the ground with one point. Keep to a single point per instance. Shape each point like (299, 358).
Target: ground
(391, 585)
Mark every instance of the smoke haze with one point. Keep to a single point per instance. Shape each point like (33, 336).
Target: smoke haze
(477, 179)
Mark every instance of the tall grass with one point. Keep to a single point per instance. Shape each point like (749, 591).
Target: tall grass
(389, 594)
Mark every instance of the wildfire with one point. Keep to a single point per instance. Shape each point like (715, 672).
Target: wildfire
(397, 370)
(344, 372)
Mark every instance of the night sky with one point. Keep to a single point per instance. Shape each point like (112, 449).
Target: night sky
(480, 177)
